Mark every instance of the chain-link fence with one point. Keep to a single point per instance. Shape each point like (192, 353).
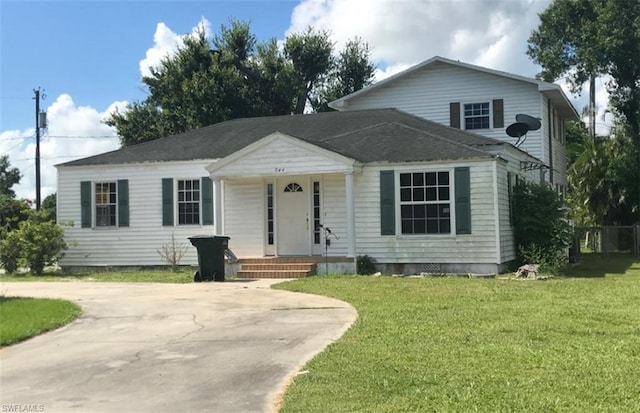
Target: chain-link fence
(618, 239)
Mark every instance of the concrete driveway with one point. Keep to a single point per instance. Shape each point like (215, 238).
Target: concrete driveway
(207, 347)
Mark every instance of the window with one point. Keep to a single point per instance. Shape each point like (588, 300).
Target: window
(106, 204)
(293, 187)
(316, 212)
(425, 203)
(476, 116)
(189, 202)
(270, 221)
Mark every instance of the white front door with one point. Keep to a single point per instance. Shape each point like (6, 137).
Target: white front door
(292, 216)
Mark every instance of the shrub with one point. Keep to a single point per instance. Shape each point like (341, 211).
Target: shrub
(541, 227)
(9, 250)
(365, 265)
(172, 253)
(42, 242)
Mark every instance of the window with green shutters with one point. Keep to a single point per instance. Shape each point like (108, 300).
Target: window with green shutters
(104, 204)
(427, 202)
(187, 201)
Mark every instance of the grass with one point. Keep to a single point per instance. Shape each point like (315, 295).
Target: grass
(23, 318)
(454, 344)
(144, 276)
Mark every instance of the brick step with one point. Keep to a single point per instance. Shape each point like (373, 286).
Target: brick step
(278, 267)
(279, 260)
(273, 274)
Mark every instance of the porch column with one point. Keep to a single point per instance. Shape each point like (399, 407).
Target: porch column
(217, 206)
(351, 215)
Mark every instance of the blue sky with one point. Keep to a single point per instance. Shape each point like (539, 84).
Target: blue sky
(91, 49)
(89, 56)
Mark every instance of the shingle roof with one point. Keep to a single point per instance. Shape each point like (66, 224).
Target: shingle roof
(366, 136)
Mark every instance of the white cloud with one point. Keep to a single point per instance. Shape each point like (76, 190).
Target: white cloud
(408, 32)
(73, 132)
(402, 33)
(165, 43)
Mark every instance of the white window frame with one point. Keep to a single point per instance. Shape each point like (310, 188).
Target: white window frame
(109, 204)
(178, 202)
(451, 202)
(488, 115)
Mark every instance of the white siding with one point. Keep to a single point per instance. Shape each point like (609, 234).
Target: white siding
(139, 243)
(427, 93)
(244, 216)
(282, 157)
(335, 213)
(478, 247)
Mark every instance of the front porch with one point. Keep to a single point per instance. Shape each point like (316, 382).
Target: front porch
(291, 267)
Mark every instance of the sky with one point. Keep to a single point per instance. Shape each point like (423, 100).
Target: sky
(88, 57)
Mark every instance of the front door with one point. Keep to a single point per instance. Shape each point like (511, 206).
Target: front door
(293, 217)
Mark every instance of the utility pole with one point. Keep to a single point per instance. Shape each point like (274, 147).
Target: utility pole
(40, 122)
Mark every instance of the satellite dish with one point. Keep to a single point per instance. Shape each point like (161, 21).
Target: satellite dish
(532, 123)
(517, 130)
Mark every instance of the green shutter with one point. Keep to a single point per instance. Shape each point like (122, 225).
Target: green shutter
(387, 203)
(498, 113)
(207, 201)
(167, 201)
(454, 114)
(85, 204)
(123, 203)
(463, 200)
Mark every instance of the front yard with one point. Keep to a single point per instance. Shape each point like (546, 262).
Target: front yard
(453, 344)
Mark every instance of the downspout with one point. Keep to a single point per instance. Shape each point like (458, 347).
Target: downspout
(496, 212)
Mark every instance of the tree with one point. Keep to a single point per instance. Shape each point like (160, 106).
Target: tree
(581, 39)
(233, 76)
(352, 71)
(49, 207)
(13, 211)
(586, 38)
(8, 177)
(311, 55)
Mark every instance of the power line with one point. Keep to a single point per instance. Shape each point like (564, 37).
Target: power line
(62, 137)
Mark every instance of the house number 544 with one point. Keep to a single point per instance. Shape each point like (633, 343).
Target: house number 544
(279, 170)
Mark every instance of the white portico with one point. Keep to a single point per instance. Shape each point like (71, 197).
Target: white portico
(280, 193)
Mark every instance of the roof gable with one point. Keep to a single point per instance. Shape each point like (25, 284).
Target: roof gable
(279, 153)
(551, 90)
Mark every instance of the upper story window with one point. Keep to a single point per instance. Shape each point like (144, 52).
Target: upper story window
(425, 203)
(106, 204)
(476, 116)
(189, 202)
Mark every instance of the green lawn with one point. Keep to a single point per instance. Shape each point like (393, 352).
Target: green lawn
(144, 276)
(23, 318)
(456, 344)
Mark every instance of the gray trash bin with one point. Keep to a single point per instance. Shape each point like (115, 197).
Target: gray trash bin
(211, 250)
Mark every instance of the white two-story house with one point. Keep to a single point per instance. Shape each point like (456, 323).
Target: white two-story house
(415, 171)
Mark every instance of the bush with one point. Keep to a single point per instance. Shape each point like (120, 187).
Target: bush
(541, 227)
(9, 250)
(550, 262)
(42, 242)
(366, 265)
(36, 242)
